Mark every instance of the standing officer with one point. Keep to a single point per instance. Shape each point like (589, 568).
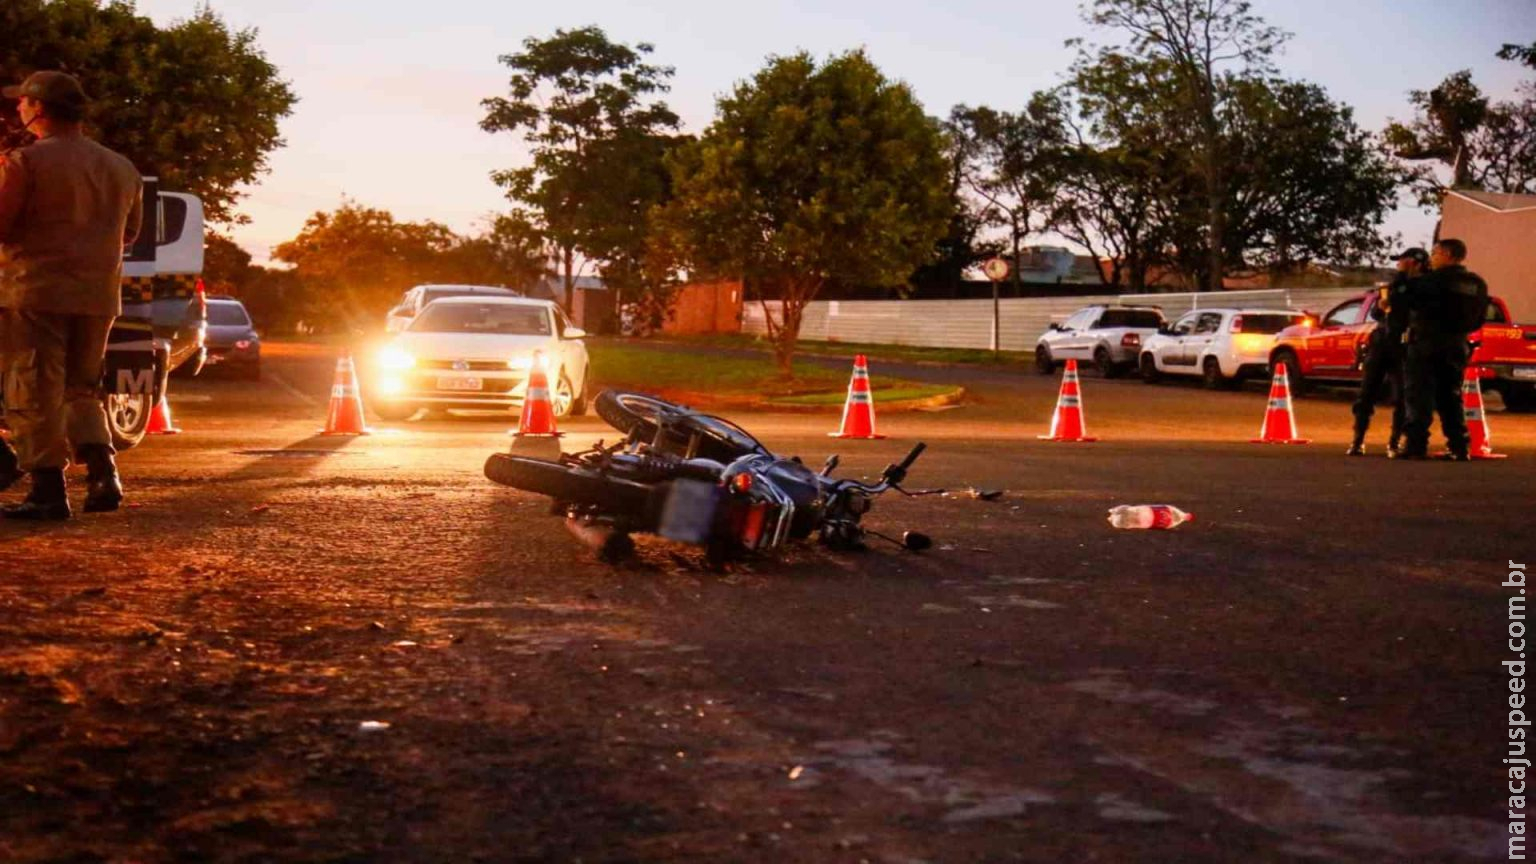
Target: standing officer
(1444, 307)
(67, 206)
(1384, 353)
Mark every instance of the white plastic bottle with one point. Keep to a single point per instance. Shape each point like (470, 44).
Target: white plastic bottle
(1160, 516)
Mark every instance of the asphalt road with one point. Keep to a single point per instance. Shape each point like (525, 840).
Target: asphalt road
(1309, 671)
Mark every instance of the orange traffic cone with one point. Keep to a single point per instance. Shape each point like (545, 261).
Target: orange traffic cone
(538, 418)
(1481, 445)
(1067, 423)
(345, 416)
(160, 420)
(1279, 420)
(859, 407)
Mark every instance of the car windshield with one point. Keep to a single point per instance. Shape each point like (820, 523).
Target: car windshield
(1252, 323)
(227, 315)
(1129, 318)
(483, 318)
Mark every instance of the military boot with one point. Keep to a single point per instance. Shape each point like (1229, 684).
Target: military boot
(10, 468)
(1357, 446)
(104, 489)
(47, 500)
(1393, 444)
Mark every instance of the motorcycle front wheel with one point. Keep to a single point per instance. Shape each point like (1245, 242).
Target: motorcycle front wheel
(641, 415)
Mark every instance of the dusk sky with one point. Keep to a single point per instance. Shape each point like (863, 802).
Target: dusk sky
(390, 91)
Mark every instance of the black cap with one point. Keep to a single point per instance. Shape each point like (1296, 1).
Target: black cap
(49, 86)
(1415, 253)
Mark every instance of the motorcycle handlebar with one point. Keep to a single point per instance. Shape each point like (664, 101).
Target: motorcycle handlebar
(912, 456)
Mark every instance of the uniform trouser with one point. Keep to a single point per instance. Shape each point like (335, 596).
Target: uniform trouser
(1433, 379)
(52, 374)
(1383, 366)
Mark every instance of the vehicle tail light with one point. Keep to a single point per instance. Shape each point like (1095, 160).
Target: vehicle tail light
(202, 297)
(243, 344)
(741, 483)
(1237, 323)
(1130, 340)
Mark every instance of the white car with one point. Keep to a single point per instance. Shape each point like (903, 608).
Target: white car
(416, 299)
(1221, 346)
(476, 353)
(1110, 337)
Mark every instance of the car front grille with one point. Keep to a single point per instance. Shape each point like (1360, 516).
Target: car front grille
(468, 365)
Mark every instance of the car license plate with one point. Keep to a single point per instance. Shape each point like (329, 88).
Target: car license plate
(459, 383)
(1525, 372)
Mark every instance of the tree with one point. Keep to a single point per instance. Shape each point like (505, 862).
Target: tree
(354, 263)
(1012, 162)
(573, 95)
(808, 174)
(1308, 184)
(960, 247)
(1303, 181)
(510, 252)
(1522, 53)
(1196, 41)
(194, 104)
(226, 266)
(1490, 146)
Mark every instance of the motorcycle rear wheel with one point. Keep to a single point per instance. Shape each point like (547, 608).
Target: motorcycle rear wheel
(637, 503)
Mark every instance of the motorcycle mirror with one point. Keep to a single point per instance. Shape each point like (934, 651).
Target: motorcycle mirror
(830, 466)
(915, 541)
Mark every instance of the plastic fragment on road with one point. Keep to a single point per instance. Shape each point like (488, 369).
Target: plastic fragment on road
(1153, 516)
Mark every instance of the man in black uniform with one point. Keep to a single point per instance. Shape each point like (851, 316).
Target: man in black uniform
(1384, 353)
(1444, 307)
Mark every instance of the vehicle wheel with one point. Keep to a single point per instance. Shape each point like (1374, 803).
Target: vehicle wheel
(580, 404)
(1149, 371)
(1518, 398)
(637, 414)
(1104, 363)
(1293, 374)
(563, 399)
(1210, 373)
(1045, 364)
(127, 418)
(394, 411)
(637, 503)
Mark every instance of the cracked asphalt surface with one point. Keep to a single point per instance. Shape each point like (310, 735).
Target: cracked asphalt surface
(300, 648)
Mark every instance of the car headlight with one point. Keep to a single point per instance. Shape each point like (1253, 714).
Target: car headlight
(395, 358)
(520, 364)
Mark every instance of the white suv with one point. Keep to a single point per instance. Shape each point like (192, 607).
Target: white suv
(1222, 346)
(1108, 336)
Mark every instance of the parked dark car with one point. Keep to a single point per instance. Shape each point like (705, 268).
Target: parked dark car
(233, 344)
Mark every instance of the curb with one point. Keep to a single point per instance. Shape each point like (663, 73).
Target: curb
(710, 400)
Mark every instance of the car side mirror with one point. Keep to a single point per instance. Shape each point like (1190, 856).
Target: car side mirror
(1057, 327)
(573, 333)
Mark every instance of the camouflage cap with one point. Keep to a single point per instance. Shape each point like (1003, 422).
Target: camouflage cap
(48, 86)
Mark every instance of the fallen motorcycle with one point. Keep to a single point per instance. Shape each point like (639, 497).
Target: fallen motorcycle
(703, 480)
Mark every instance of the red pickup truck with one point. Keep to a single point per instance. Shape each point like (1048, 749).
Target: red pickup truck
(1326, 351)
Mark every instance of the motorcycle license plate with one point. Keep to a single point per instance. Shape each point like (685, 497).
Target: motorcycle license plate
(689, 513)
(459, 383)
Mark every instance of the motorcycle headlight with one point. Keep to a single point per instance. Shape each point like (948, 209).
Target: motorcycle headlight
(395, 358)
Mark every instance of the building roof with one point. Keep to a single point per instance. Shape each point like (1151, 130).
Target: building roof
(1504, 202)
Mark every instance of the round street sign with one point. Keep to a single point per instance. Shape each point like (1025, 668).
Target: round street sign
(996, 269)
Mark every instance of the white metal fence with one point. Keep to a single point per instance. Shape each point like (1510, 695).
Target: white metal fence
(968, 323)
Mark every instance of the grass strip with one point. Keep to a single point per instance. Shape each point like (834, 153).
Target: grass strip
(656, 369)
